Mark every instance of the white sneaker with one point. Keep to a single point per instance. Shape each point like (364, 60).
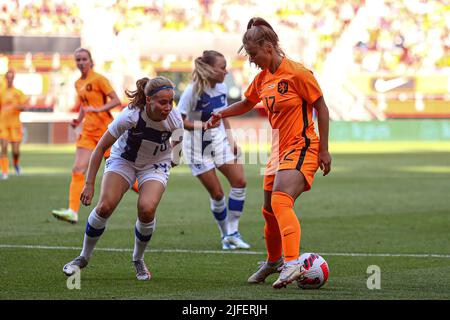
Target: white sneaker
(142, 272)
(236, 240)
(226, 245)
(265, 269)
(66, 215)
(289, 274)
(75, 266)
(5, 176)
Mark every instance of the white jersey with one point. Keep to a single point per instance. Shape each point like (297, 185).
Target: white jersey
(141, 140)
(199, 108)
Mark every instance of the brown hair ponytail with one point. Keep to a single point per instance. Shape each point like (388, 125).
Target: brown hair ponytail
(144, 88)
(260, 31)
(137, 96)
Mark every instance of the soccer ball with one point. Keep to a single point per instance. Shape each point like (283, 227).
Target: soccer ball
(316, 271)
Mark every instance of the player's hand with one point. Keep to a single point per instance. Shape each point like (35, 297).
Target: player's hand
(75, 123)
(325, 162)
(213, 122)
(87, 194)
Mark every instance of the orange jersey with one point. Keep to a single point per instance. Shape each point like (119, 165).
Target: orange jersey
(10, 100)
(93, 91)
(288, 95)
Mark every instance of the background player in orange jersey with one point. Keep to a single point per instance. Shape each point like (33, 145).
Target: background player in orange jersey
(12, 102)
(93, 90)
(289, 92)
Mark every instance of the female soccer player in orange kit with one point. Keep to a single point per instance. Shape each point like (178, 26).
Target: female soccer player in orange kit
(12, 101)
(289, 92)
(93, 90)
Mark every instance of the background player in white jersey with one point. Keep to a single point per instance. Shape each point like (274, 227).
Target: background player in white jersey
(141, 150)
(206, 150)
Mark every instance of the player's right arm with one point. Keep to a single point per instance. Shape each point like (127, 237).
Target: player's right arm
(235, 109)
(104, 144)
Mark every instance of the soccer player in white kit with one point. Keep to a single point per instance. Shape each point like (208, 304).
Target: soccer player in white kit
(205, 151)
(142, 150)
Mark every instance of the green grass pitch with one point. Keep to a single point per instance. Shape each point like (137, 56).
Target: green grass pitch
(384, 204)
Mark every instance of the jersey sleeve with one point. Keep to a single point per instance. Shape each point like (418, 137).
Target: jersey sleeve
(105, 85)
(126, 120)
(307, 86)
(187, 100)
(252, 92)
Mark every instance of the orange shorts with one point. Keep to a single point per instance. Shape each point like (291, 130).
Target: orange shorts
(89, 142)
(301, 158)
(11, 133)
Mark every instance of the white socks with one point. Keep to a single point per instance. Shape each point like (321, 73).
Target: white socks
(94, 229)
(236, 200)
(219, 209)
(143, 233)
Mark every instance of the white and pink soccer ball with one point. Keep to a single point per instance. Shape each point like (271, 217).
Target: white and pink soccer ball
(317, 271)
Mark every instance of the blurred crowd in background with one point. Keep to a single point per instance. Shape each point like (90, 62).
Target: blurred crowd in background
(404, 34)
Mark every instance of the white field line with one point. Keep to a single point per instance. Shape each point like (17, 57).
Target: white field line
(349, 254)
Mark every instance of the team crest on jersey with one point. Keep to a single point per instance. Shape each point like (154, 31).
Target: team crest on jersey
(89, 87)
(165, 136)
(283, 87)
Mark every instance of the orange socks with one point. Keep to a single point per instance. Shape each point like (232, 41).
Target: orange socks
(5, 164)
(76, 186)
(272, 236)
(282, 205)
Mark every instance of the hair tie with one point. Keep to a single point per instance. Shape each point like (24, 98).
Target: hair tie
(159, 89)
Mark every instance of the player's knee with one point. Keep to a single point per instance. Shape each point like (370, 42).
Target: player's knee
(217, 195)
(280, 200)
(104, 209)
(79, 169)
(240, 183)
(146, 212)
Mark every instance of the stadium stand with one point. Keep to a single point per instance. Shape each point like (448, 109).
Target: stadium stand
(374, 59)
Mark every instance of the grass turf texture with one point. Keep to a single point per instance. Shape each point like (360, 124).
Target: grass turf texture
(380, 198)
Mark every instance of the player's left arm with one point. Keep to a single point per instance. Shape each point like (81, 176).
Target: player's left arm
(323, 119)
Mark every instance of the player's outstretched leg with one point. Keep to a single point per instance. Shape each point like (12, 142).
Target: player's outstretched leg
(95, 227)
